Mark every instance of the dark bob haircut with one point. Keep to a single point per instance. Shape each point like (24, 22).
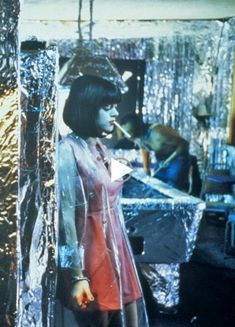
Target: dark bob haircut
(88, 94)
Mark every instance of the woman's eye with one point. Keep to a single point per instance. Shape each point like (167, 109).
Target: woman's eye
(110, 107)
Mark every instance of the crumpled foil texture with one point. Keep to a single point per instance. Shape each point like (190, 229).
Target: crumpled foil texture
(169, 225)
(172, 216)
(9, 61)
(9, 14)
(36, 271)
(164, 280)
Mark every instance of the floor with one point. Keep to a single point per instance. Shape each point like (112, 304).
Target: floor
(207, 285)
(207, 299)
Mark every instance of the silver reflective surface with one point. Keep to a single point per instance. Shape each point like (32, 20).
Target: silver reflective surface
(36, 270)
(164, 280)
(167, 224)
(9, 43)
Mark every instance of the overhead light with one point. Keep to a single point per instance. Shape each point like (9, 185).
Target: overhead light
(126, 75)
(97, 65)
(85, 61)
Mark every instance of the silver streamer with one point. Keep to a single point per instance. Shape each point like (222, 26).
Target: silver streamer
(169, 82)
(9, 63)
(37, 227)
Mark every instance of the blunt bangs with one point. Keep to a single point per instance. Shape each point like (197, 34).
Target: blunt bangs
(88, 94)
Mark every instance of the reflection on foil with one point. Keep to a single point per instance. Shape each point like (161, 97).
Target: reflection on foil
(163, 280)
(8, 198)
(36, 224)
(167, 224)
(9, 12)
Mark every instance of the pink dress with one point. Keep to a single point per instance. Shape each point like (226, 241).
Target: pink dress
(108, 261)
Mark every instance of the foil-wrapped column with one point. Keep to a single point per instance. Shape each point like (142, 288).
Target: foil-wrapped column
(37, 219)
(9, 13)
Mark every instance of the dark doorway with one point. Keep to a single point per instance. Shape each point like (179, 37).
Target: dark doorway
(132, 72)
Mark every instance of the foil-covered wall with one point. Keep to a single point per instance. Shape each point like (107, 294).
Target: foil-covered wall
(187, 80)
(9, 53)
(36, 248)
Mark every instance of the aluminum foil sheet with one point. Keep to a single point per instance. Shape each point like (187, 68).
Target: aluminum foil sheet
(168, 224)
(9, 13)
(37, 228)
(8, 200)
(164, 280)
(163, 230)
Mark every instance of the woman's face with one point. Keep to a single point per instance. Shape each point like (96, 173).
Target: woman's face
(106, 118)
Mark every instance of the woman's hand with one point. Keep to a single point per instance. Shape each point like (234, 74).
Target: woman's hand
(81, 293)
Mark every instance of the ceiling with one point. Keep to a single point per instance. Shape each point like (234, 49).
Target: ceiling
(67, 10)
(58, 19)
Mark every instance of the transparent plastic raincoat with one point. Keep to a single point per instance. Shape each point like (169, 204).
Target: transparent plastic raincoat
(93, 239)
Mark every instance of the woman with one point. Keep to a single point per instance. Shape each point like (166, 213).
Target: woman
(98, 277)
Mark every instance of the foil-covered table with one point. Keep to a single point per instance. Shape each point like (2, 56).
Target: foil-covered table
(162, 225)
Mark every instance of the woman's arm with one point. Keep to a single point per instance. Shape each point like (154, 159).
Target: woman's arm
(72, 197)
(146, 160)
(67, 184)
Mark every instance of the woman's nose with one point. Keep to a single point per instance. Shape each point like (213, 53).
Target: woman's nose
(114, 112)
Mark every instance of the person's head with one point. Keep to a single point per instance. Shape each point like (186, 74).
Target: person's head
(164, 140)
(90, 109)
(133, 124)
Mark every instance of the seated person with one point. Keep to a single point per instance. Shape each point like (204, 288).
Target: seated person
(174, 166)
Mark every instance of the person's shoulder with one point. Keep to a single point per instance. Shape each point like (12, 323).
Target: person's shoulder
(65, 151)
(70, 148)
